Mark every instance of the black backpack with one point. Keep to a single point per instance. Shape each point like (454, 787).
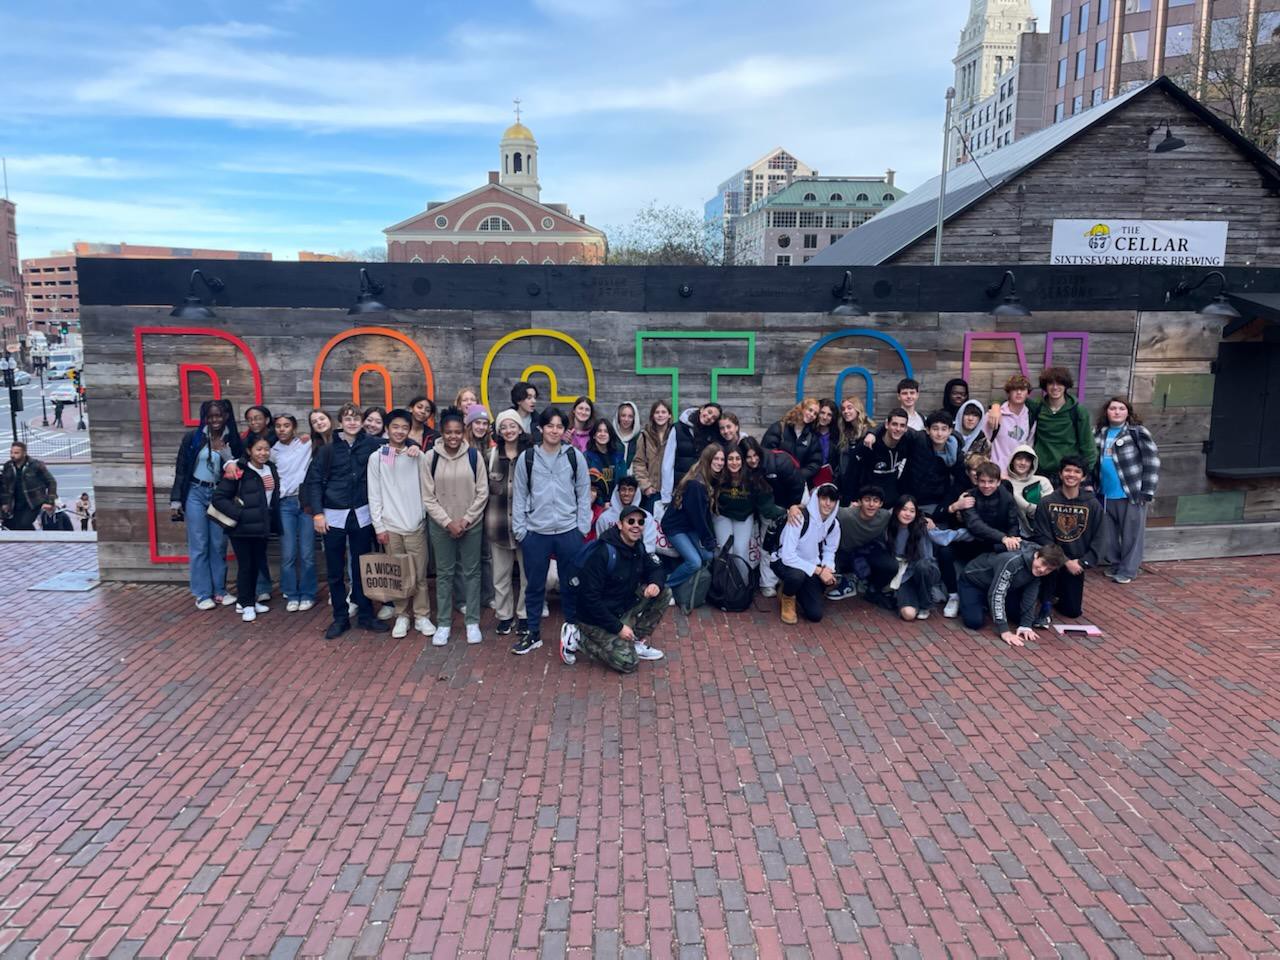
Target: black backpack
(733, 581)
(472, 457)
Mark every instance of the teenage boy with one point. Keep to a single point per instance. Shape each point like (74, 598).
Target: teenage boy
(626, 494)
(398, 510)
(992, 521)
(1072, 519)
(806, 561)
(551, 514)
(863, 554)
(1005, 583)
(524, 397)
(1062, 427)
(622, 594)
(886, 453)
(935, 474)
(455, 491)
(26, 485)
(336, 491)
(1009, 424)
(908, 394)
(292, 456)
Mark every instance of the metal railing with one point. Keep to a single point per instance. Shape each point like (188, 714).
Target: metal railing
(54, 445)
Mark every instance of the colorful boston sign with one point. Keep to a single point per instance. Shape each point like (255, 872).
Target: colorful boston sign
(1185, 243)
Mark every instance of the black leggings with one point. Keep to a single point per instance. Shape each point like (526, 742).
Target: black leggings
(808, 590)
(1065, 591)
(251, 558)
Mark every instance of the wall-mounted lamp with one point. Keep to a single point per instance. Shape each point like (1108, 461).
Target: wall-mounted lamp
(1011, 305)
(1170, 142)
(367, 301)
(1219, 306)
(192, 307)
(848, 305)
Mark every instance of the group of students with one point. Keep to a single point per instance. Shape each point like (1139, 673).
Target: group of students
(973, 508)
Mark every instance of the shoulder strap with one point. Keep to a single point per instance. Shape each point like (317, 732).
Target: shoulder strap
(804, 527)
(435, 459)
(473, 455)
(528, 470)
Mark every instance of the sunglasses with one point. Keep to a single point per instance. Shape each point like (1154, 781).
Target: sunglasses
(634, 521)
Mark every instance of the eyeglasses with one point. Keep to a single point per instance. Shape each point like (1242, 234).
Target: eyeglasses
(634, 521)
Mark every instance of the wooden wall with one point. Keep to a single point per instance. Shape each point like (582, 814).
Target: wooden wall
(286, 344)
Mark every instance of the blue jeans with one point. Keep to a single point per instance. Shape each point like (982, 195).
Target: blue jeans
(336, 543)
(537, 550)
(694, 555)
(206, 546)
(297, 551)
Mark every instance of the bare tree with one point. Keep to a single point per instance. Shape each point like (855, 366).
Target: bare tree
(665, 236)
(1236, 74)
(367, 255)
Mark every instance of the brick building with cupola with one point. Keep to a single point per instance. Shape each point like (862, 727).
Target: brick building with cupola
(503, 221)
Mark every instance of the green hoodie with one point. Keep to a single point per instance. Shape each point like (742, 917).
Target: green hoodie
(1059, 434)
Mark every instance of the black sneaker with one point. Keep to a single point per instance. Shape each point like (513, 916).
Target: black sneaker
(374, 626)
(504, 627)
(522, 626)
(337, 629)
(1042, 621)
(526, 644)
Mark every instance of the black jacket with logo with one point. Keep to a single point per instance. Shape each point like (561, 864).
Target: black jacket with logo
(804, 446)
(1074, 525)
(609, 588)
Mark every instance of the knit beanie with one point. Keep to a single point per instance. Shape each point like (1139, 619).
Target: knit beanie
(506, 415)
(477, 411)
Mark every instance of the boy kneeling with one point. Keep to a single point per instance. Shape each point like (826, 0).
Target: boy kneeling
(621, 595)
(807, 556)
(999, 581)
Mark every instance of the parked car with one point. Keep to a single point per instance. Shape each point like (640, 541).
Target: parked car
(21, 378)
(66, 392)
(59, 371)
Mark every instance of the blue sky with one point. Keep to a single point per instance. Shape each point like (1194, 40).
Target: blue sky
(300, 124)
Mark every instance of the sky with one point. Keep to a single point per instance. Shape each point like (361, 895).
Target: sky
(289, 125)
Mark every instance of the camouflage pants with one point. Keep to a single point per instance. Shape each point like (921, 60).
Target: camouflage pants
(609, 648)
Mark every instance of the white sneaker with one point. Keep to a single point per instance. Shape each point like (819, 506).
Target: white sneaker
(473, 633)
(546, 611)
(922, 615)
(304, 605)
(386, 611)
(261, 607)
(227, 599)
(952, 609)
(569, 644)
(424, 626)
(249, 615)
(291, 606)
(768, 591)
(264, 596)
(646, 652)
(440, 637)
(401, 628)
(239, 609)
(205, 604)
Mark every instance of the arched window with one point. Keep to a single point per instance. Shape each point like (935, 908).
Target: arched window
(495, 223)
(547, 261)
(887, 198)
(415, 259)
(863, 198)
(467, 260)
(573, 259)
(495, 259)
(505, 158)
(810, 197)
(442, 259)
(516, 163)
(523, 260)
(837, 197)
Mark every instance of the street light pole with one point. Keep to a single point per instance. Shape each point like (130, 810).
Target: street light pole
(7, 366)
(942, 182)
(44, 409)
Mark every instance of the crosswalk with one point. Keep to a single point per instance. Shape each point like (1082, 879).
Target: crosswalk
(45, 444)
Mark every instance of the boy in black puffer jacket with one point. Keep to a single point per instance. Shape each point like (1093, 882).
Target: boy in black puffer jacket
(993, 519)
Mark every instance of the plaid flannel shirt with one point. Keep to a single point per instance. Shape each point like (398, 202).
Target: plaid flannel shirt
(1137, 460)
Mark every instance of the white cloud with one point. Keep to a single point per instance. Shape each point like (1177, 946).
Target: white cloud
(72, 165)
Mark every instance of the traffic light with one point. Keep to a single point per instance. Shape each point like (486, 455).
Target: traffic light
(75, 378)
(63, 327)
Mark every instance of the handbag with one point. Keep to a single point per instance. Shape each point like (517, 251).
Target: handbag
(222, 519)
(388, 576)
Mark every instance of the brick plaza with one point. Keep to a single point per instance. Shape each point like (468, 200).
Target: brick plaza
(176, 783)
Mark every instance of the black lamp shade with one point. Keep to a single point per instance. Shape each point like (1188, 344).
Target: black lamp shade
(1012, 306)
(1219, 307)
(192, 309)
(1170, 142)
(365, 303)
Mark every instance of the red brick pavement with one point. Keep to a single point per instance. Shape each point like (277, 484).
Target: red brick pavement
(179, 784)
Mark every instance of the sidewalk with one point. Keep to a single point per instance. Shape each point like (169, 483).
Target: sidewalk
(176, 783)
(54, 445)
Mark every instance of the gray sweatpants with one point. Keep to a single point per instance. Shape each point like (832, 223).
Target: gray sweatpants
(1125, 530)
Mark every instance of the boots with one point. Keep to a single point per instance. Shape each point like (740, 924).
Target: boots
(788, 608)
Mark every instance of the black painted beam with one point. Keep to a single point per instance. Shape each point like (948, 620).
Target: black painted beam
(417, 286)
